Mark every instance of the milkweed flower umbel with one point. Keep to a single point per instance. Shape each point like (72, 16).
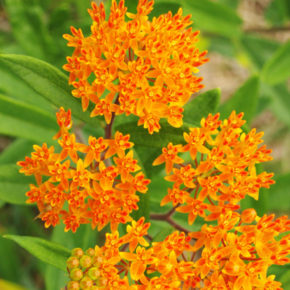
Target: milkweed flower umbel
(221, 170)
(92, 183)
(195, 261)
(140, 67)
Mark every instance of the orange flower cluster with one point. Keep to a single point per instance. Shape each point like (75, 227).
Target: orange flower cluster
(137, 67)
(81, 184)
(230, 261)
(221, 171)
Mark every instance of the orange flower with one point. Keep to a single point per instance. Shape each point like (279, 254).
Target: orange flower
(135, 234)
(139, 262)
(221, 169)
(92, 190)
(169, 156)
(225, 261)
(138, 67)
(194, 208)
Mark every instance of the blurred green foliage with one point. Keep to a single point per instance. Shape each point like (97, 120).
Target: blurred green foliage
(29, 94)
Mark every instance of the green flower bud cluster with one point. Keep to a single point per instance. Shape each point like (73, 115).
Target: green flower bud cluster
(83, 270)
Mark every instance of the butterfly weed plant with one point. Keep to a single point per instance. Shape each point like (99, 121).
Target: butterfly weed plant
(134, 69)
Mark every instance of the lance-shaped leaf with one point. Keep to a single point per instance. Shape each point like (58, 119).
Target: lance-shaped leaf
(167, 134)
(201, 106)
(18, 128)
(245, 100)
(279, 197)
(277, 68)
(16, 151)
(279, 101)
(48, 81)
(214, 17)
(163, 7)
(26, 34)
(22, 120)
(13, 185)
(48, 252)
(258, 49)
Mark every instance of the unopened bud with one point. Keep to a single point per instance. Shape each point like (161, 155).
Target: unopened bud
(90, 252)
(94, 273)
(73, 285)
(86, 261)
(72, 262)
(248, 215)
(86, 283)
(76, 274)
(77, 252)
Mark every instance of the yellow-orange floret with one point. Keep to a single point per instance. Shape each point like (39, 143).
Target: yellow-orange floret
(81, 184)
(221, 170)
(214, 257)
(140, 67)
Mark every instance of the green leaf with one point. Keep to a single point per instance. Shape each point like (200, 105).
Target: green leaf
(164, 7)
(48, 252)
(280, 101)
(146, 157)
(245, 100)
(23, 31)
(279, 193)
(16, 151)
(201, 106)
(167, 133)
(285, 278)
(222, 45)
(13, 185)
(31, 114)
(214, 17)
(144, 203)
(277, 68)
(232, 3)
(258, 49)
(55, 279)
(276, 12)
(11, 268)
(48, 81)
(14, 87)
(19, 128)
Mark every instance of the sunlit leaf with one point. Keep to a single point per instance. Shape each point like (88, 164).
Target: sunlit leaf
(48, 252)
(201, 106)
(214, 17)
(48, 81)
(277, 68)
(245, 100)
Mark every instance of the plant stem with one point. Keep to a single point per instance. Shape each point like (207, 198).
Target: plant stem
(167, 218)
(108, 128)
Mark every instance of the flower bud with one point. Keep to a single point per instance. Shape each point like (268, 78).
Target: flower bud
(94, 273)
(86, 283)
(73, 285)
(86, 261)
(72, 262)
(248, 215)
(90, 252)
(77, 252)
(76, 274)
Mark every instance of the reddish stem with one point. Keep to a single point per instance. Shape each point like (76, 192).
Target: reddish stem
(167, 218)
(196, 191)
(210, 200)
(108, 128)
